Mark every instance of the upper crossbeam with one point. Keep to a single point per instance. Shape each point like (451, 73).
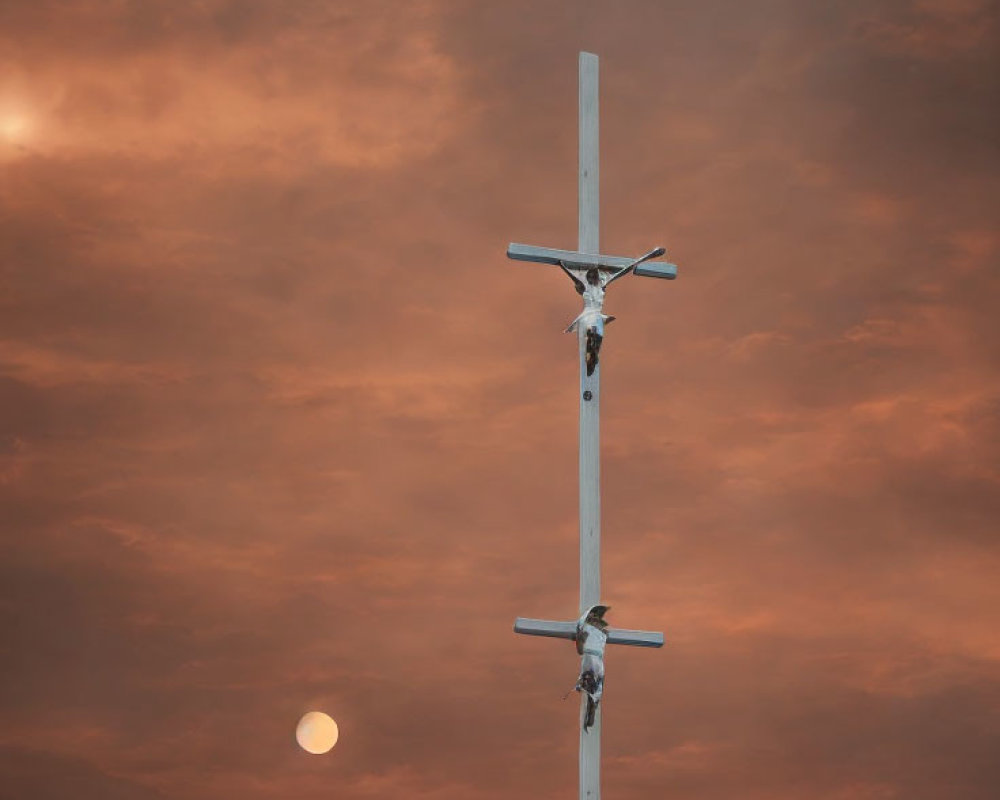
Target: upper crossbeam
(572, 259)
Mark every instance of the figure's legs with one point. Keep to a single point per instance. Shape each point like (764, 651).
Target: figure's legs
(594, 339)
(598, 690)
(588, 722)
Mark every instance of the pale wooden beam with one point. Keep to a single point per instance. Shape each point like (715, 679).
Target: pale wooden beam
(590, 409)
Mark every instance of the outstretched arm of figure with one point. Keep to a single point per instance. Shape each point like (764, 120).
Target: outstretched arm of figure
(619, 274)
(577, 283)
(656, 253)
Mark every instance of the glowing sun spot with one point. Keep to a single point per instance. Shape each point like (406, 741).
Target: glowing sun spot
(13, 127)
(317, 733)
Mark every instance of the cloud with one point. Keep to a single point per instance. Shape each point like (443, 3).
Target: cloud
(221, 83)
(282, 429)
(47, 775)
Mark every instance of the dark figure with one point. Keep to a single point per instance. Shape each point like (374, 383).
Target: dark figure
(594, 340)
(591, 637)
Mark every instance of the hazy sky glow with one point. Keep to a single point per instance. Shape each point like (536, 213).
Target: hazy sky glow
(282, 429)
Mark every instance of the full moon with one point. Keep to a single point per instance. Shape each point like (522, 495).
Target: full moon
(317, 733)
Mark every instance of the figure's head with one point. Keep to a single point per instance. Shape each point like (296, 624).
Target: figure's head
(594, 276)
(596, 616)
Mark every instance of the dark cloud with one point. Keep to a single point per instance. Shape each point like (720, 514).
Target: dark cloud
(29, 773)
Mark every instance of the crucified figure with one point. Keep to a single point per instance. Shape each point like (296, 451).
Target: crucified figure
(592, 317)
(591, 636)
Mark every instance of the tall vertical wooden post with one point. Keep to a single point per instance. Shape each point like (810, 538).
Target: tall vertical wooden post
(591, 272)
(590, 409)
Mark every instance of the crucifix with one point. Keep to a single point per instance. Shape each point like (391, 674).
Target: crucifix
(591, 273)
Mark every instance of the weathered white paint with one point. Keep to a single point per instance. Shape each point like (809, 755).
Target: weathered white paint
(657, 269)
(572, 259)
(590, 179)
(559, 629)
(576, 263)
(635, 638)
(545, 627)
(569, 258)
(590, 409)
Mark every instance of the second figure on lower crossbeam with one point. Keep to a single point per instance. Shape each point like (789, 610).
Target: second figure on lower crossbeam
(591, 637)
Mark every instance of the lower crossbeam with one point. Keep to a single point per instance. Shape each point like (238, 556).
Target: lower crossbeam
(567, 630)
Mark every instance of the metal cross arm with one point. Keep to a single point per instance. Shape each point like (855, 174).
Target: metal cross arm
(567, 630)
(572, 259)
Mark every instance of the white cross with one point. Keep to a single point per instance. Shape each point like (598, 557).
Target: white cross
(591, 272)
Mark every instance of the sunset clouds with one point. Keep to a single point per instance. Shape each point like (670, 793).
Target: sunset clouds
(282, 429)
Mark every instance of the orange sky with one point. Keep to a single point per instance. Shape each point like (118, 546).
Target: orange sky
(283, 429)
